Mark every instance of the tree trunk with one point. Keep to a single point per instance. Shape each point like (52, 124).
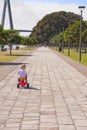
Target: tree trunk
(10, 49)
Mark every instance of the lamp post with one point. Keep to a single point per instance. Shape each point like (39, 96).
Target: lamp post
(80, 37)
(62, 38)
(69, 40)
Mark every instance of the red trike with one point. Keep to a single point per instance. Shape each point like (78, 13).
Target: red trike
(22, 82)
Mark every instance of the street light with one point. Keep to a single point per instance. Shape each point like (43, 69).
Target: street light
(62, 26)
(69, 40)
(80, 38)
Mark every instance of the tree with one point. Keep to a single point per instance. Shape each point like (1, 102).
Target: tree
(1, 39)
(51, 23)
(84, 39)
(8, 38)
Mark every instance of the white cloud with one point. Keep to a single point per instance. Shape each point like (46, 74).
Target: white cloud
(27, 14)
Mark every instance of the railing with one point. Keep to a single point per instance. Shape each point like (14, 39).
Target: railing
(24, 30)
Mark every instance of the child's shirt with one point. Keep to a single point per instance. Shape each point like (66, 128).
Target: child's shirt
(22, 73)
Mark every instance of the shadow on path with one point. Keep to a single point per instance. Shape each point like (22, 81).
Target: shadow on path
(11, 63)
(19, 55)
(33, 88)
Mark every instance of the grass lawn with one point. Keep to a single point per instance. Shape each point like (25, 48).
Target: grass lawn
(75, 55)
(6, 57)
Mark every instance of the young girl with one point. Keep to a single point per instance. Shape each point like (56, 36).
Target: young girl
(22, 72)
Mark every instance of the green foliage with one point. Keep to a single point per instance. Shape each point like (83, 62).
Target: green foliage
(51, 24)
(1, 39)
(10, 36)
(84, 33)
(71, 34)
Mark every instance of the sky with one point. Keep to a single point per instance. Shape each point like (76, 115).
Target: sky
(26, 13)
(83, 2)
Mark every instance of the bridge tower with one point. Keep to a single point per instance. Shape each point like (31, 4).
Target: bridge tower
(7, 3)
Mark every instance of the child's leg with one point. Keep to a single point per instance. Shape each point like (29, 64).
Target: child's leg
(18, 79)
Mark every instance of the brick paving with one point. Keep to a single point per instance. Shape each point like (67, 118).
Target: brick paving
(56, 100)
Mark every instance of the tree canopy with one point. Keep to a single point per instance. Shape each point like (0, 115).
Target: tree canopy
(71, 35)
(52, 24)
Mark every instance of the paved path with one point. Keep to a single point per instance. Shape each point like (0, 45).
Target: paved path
(57, 99)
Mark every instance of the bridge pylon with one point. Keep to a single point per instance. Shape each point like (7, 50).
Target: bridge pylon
(7, 3)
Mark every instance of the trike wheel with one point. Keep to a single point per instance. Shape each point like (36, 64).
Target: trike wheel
(17, 85)
(28, 85)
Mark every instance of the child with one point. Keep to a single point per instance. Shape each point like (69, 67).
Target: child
(22, 72)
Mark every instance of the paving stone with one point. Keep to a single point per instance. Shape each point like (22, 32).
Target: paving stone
(46, 128)
(56, 100)
(80, 122)
(81, 128)
(66, 127)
